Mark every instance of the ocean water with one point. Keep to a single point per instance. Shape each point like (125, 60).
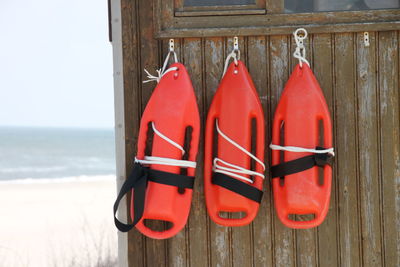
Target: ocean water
(40, 154)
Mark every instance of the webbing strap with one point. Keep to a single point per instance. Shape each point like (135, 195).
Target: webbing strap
(137, 182)
(237, 186)
(301, 164)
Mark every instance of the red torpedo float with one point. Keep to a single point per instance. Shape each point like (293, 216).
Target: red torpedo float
(230, 183)
(306, 148)
(159, 189)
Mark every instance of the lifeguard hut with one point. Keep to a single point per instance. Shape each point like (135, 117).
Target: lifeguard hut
(354, 50)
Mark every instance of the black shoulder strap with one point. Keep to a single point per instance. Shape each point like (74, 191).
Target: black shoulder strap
(301, 164)
(137, 181)
(237, 186)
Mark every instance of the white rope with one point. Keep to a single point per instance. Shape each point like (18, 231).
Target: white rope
(300, 51)
(148, 160)
(161, 72)
(301, 149)
(235, 54)
(152, 78)
(166, 161)
(235, 170)
(178, 146)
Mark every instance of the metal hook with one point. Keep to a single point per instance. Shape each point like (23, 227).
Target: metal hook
(300, 34)
(236, 48)
(171, 45)
(300, 51)
(235, 43)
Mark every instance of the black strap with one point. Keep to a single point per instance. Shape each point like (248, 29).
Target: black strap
(301, 164)
(237, 186)
(138, 182)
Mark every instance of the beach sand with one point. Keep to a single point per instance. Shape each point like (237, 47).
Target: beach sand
(57, 223)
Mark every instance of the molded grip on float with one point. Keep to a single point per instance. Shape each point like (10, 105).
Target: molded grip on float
(260, 146)
(276, 131)
(176, 228)
(318, 219)
(327, 124)
(141, 142)
(301, 224)
(234, 221)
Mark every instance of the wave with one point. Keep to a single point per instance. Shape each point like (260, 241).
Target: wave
(69, 179)
(32, 169)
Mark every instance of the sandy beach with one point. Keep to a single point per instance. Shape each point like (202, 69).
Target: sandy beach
(61, 222)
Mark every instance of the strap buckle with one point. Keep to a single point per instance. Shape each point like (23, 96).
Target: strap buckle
(322, 159)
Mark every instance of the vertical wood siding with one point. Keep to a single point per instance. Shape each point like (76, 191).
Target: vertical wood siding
(361, 86)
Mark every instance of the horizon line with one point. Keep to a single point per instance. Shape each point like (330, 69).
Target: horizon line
(59, 127)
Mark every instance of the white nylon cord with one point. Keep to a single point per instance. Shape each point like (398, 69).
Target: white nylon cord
(300, 51)
(233, 169)
(166, 161)
(161, 72)
(235, 54)
(301, 149)
(178, 146)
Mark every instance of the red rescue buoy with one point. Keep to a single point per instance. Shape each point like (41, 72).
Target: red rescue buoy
(159, 190)
(296, 185)
(230, 185)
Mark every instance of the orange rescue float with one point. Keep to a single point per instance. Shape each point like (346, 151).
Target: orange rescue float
(159, 189)
(296, 186)
(230, 184)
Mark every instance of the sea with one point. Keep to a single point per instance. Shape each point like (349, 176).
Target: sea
(34, 155)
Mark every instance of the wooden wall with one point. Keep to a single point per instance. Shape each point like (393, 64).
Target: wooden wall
(361, 86)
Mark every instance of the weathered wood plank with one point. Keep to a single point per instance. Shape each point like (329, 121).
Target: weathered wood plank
(198, 221)
(149, 50)
(131, 96)
(288, 28)
(258, 58)
(283, 244)
(368, 147)
(220, 254)
(388, 54)
(346, 155)
(323, 69)
(305, 245)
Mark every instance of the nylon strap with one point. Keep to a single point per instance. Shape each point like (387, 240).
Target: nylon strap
(137, 182)
(301, 164)
(237, 186)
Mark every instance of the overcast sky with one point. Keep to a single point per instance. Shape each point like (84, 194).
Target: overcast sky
(55, 64)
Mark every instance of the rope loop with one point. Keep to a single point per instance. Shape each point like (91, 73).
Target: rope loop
(300, 52)
(330, 151)
(161, 72)
(235, 54)
(233, 169)
(148, 160)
